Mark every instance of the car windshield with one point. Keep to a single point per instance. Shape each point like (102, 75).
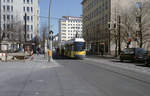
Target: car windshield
(79, 46)
(140, 51)
(128, 51)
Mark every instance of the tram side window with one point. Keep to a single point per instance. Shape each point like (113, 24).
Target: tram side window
(79, 46)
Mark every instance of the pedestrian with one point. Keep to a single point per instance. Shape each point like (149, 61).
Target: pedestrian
(38, 51)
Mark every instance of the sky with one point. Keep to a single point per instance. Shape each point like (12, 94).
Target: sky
(59, 8)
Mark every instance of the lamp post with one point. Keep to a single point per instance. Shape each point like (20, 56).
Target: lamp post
(50, 34)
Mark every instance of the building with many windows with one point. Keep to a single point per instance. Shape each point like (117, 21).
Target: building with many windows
(12, 18)
(97, 15)
(69, 28)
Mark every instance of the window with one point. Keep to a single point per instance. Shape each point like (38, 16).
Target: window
(28, 27)
(11, 17)
(8, 17)
(31, 18)
(31, 1)
(4, 8)
(11, 1)
(8, 26)
(24, 1)
(31, 36)
(31, 27)
(4, 26)
(27, 1)
(28, 18)
(24, 9)
(12, 8)
(31, 9)
(4, 17)
(28, 9)
(3, 0)
(8, 0)
(8, 8)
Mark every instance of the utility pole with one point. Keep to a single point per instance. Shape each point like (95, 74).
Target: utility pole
(119, 42)
(25, 27)
(50, 34)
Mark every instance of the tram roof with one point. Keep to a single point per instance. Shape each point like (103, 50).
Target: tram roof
(78, 40)
(74, 40)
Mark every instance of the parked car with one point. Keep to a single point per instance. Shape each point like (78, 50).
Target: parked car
(133, 54)
(147, 60)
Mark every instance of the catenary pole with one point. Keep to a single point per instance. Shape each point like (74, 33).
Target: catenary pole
(50, 35)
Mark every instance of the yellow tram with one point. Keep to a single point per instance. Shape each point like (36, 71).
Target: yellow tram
(74, 48)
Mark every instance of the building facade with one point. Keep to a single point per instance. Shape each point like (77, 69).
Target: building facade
(69, 28)
(97, 15)
(12, 18)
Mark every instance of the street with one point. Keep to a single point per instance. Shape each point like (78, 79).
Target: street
(71, 77)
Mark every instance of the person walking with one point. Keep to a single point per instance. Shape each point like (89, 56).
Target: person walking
(38, 51)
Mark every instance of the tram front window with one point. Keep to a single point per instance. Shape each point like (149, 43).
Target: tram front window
(79, 46)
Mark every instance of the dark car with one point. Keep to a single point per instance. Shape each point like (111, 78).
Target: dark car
(147, 60)
(133, 54)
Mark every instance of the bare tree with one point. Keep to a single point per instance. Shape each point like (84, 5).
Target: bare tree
(136, 24)
(44, 30)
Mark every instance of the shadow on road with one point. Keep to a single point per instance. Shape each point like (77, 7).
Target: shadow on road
(58, 57)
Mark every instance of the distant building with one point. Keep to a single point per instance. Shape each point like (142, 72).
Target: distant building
(12, 19)
(69, 28)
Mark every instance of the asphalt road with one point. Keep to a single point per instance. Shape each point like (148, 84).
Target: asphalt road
(70, 77)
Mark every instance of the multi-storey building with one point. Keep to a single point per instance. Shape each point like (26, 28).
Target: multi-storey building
(96, 16)
(12, 18)
(69, 28)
